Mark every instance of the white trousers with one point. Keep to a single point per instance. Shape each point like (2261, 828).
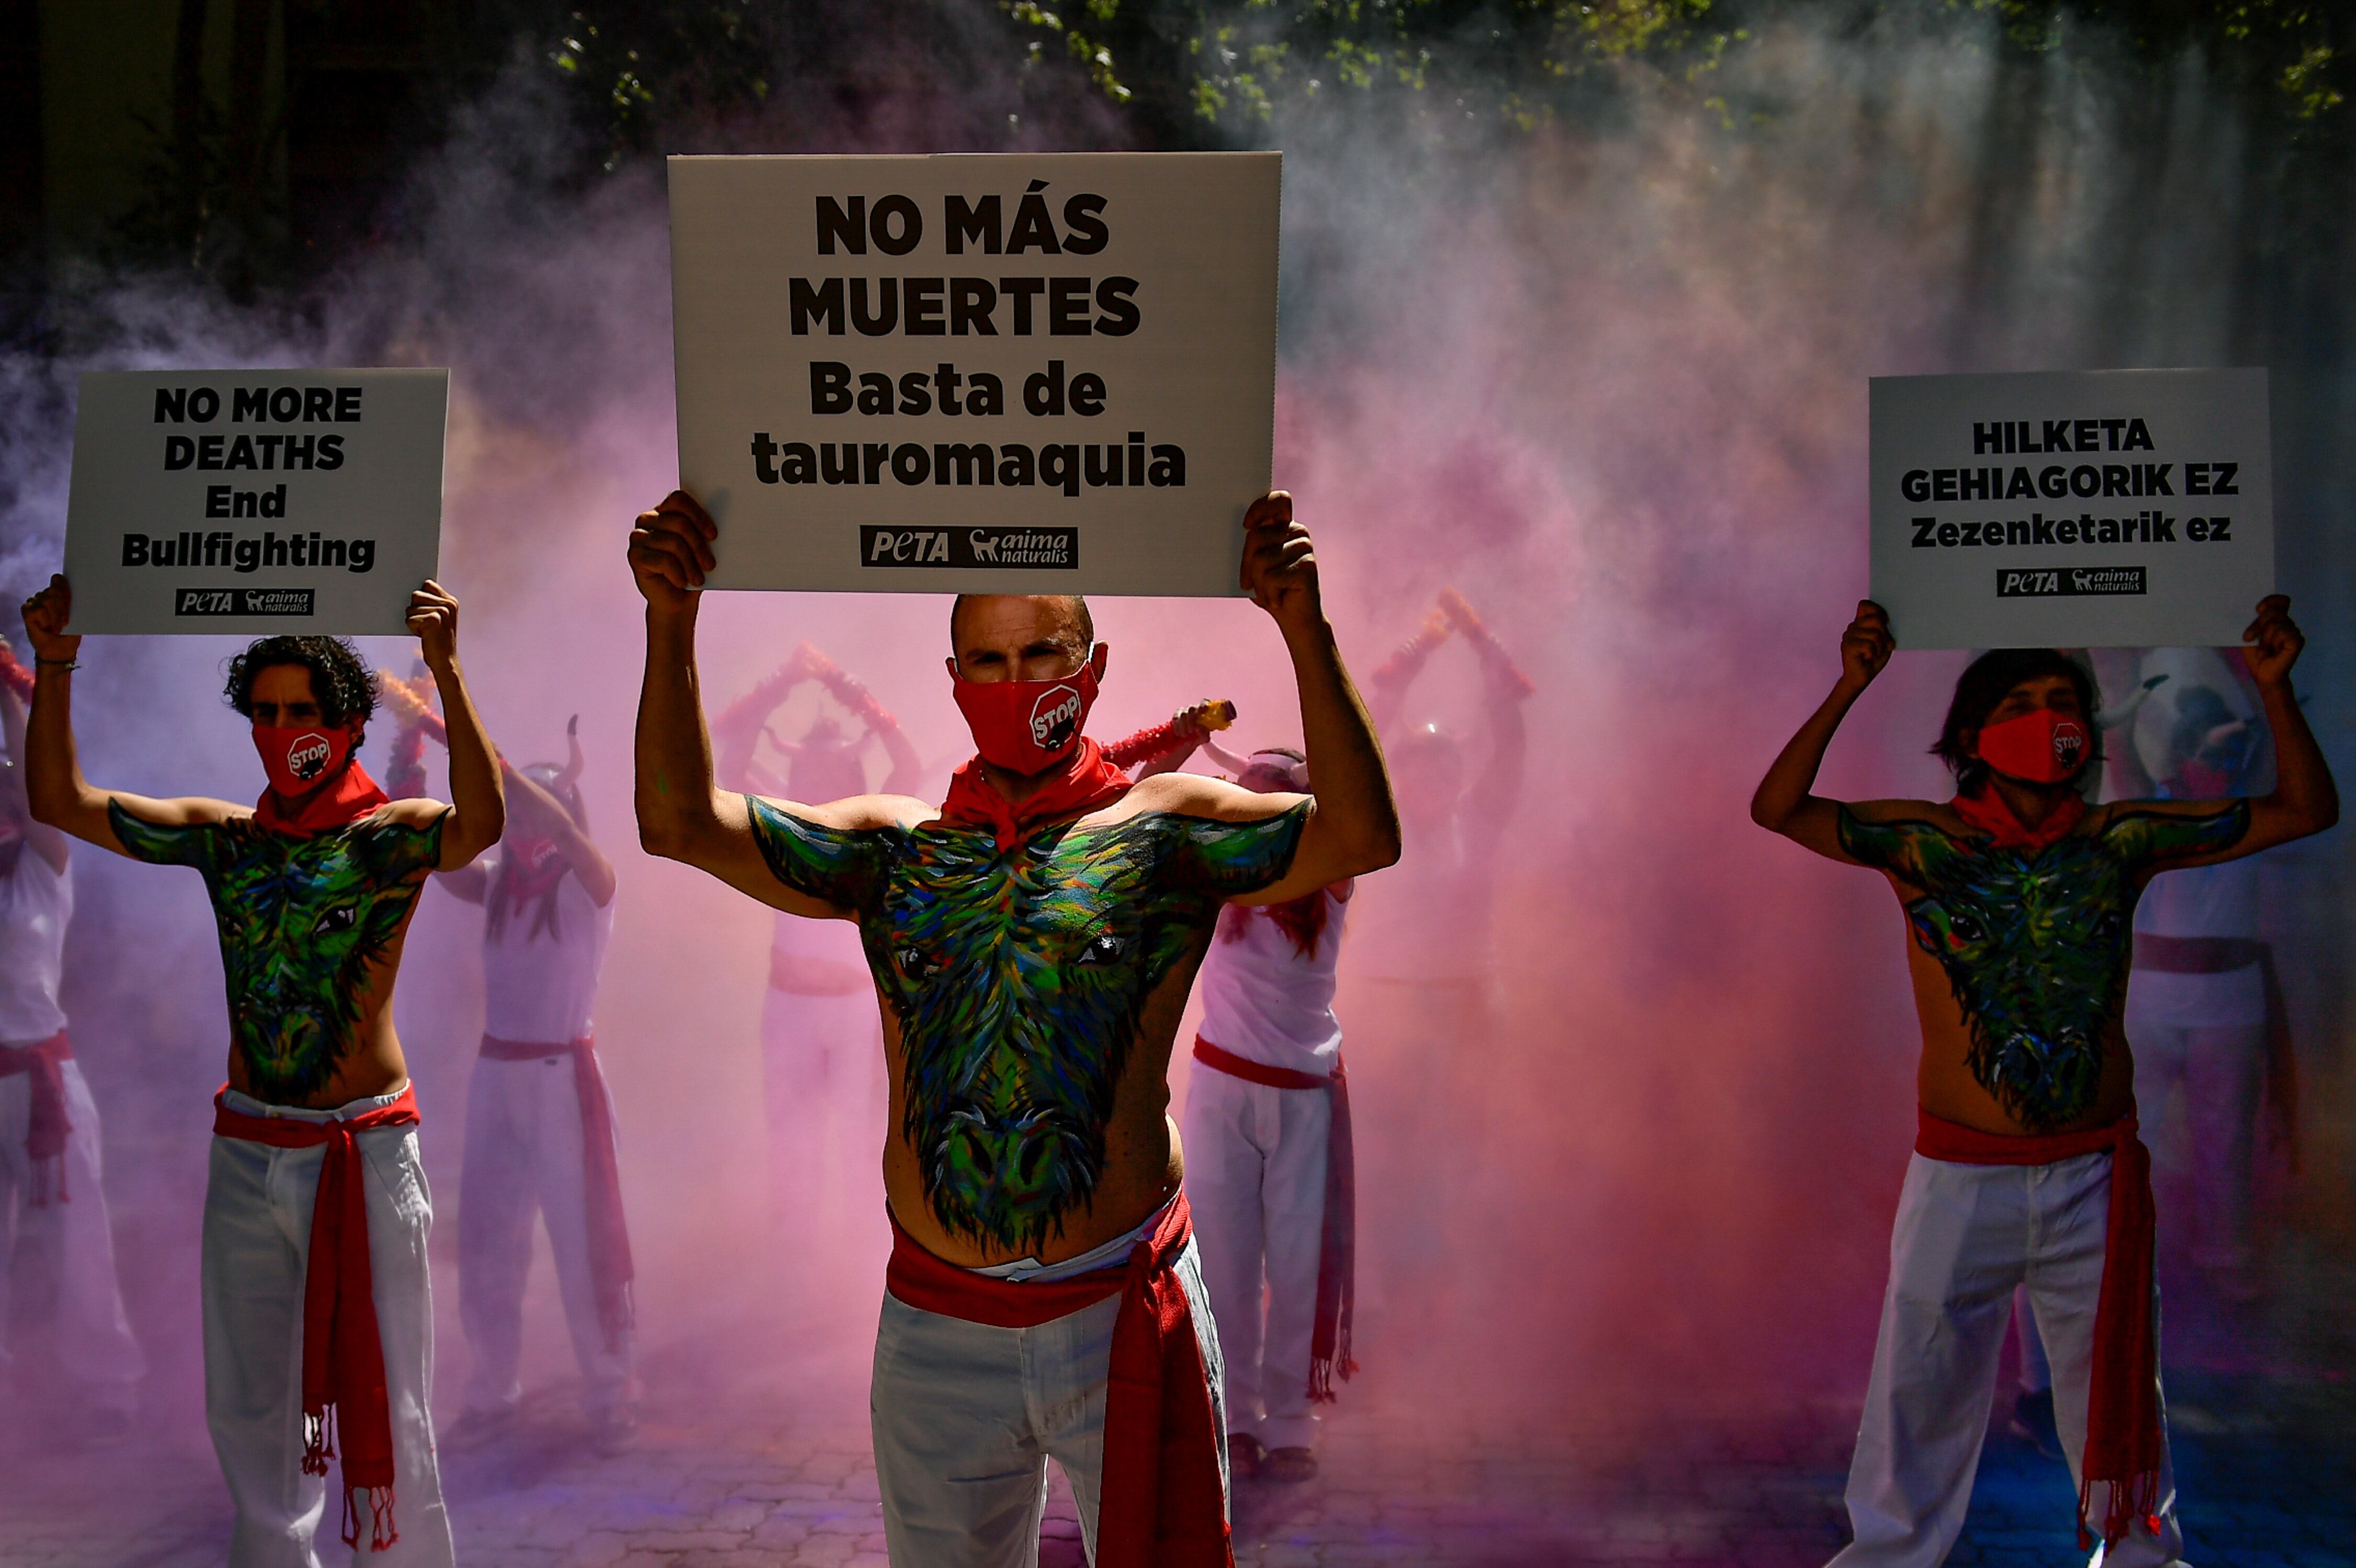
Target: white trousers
(2222, 1068)
(966, 1416)
(257, 1242)
(1256, 1177)
(524, 1157)
(1966, 1236)
(95, 1349)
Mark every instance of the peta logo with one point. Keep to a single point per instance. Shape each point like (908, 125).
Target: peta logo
(1054, 717)
(308, 756)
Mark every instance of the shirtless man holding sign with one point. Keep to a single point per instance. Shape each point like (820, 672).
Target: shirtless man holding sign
(2019, 898)
(1032, 941)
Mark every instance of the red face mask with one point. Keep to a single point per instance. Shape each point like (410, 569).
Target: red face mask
(2039, 747)
(297, 761)
(1027, 726)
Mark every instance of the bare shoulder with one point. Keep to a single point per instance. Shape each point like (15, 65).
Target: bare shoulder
(1878, 813)
(857, 814)
(417, 811)
(1194, 795)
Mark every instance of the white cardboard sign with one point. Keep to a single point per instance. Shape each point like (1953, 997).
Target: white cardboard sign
(258, 500)
(994, 373)
(2101, 509)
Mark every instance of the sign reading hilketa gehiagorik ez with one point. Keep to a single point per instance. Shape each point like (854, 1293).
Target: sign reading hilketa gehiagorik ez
(2098, 509)
(260, 501)
(994, 373)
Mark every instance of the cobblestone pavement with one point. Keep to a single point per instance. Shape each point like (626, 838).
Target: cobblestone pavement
(774, 1470)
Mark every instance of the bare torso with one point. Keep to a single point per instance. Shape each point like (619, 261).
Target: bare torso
(2019, 958)
(1031, 999)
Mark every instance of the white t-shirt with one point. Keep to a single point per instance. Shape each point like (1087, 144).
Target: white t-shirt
(36, 904)
(2200, 901)
(538, 988)
(1263, 999)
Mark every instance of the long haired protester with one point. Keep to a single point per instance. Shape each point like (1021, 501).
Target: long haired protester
(2020, 899)
(1032, 941)
(541, 1134)
(49, 1162)
(1267, 1123)
(318, 1325)
(820, 1048)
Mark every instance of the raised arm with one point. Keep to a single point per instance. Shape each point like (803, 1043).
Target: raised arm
(1396, 674)
(1784, 801)
(580, 851)
(58, 796)
(681, 816)
(48, 842)
(1353, 826)
(2305, 799)
(478, 808)
(907, 769)
(738, 730)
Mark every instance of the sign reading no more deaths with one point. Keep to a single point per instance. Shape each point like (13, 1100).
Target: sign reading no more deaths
(261, 500)
(2101, 509)
(995, 373)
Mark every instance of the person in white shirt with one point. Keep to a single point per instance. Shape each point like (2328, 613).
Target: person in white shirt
(540, 1123)
(821, 1043)
(49, 1166)
(1266, 1137)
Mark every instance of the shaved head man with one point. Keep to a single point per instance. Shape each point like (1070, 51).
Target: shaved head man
(1032, 941)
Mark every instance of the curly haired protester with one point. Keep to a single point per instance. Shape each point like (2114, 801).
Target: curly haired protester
(2020, 899)
(318, 1325)
(1032, 941)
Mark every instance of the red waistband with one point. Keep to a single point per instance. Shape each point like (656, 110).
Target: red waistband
(1935, 1138)
(1250, 1071)
(499, 1050)
(918, 1279)
(14, 1059)
(301, 1132)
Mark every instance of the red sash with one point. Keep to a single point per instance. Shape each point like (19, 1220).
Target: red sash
(1986, 812)
(1160, 1503)
(2123, 1420)
(343, 1359)
(1337, 1248)
(1075, 787)
(610, 1269)
(352, 795)
(45, 1124)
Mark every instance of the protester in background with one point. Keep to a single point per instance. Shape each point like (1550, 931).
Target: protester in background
(2027, 1168)
(1033, 942)
(315, 1150)
(821, 1051)
(1268, 1159)
(2204, 1005)
(1425, 948)
(50, 1187)
(541, 1134)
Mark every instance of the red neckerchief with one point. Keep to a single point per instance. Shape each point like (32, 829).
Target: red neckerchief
(1080, 783)
(352, 796)
(1988, 813)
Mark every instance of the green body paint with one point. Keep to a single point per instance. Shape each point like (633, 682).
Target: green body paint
(1018, 979)
(2036, 944)
(300, 921)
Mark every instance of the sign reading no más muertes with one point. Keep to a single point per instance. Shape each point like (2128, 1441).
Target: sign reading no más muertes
(998, 372)
(261, 501)
(2099, 509)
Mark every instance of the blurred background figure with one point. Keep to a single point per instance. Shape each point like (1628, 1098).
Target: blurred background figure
(1425, 946)
(2205, 1012)
(1269, 1164)
(821, 1036)
(52, 1204)
(540, 1133)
